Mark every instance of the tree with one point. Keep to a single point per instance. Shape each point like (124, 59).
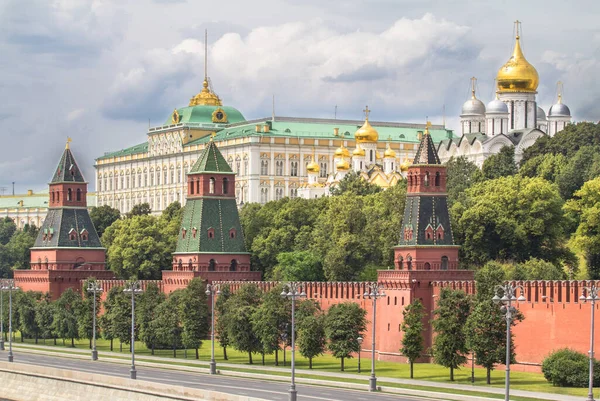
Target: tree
(138, 247)
(44, 318)
(103, 217)
(140, 209)
(269, 319)
(537, 269)
(107, 320)
(65, 316)
(298, 266)
(26, 304)
(194, 315)
(547, 166)
(462, 174)
(585, 210)
(7, 229)
(355, 184)
(240, 310)
(449, 345)
(412, 327)
(117, 315)
(344, 323)
(146, 312)
(221, 318)
(167, 323)
(310, 325)
(502, 164)
(512, 218)
(19, 246)
(85, 313)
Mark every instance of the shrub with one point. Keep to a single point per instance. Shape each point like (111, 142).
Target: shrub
(568, 368)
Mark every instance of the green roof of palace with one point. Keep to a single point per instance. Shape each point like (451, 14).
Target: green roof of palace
(203, 115)
(34, 201)
(291, 127)
(211, 160)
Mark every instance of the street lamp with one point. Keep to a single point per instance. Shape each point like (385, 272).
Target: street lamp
(94, 288)
(1, 315)
(592, 296)
(374, 291)
(212, 289)
(9, 285)
(508, 292)
(295, 290)
(360, 340)
(133, 287)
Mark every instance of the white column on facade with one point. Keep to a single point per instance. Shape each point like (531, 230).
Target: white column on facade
(254, 173)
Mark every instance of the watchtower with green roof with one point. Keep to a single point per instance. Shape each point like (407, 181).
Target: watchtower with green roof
(67, 249)
(210, 243)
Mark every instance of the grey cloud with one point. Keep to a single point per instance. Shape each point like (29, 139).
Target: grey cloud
(369, 72)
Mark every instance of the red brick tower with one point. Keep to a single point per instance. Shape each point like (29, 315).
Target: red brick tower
(67, 249)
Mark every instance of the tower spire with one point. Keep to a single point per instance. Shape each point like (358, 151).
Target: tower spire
(473, 85)
(559, 90)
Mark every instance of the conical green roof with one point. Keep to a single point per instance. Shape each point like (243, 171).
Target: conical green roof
(67, 169)
(211, 160)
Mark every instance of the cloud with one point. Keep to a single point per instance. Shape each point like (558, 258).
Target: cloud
(303, 63)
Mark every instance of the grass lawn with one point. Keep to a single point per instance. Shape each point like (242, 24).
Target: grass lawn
(422, 371)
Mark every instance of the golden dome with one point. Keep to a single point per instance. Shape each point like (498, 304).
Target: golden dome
(343, 165)
(366, 133)
(389, 152)
(358, 151)
(517, 75)
(206, 97)
(312, 167)
(342, 151)
(405, 164)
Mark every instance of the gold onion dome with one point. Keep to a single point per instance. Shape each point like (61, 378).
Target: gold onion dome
(358, 151)
(343, 165)
(313, 167)
(405, 164)
(342, 151)
(366, 133)
(206, 97)
(389, 152)
(517, 75)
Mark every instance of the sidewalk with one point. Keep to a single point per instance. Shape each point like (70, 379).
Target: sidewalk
(202, 366)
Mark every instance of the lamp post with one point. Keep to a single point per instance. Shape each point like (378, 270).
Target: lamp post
(1, 315)
(9, 285)
(133, 287)
(592, 296)
(212, 289)
(294, 291)
(94, 288)
(508, 292)
(360, 340)
(374, 291)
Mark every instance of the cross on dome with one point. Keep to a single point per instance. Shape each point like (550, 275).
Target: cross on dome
(69, 140)
(366, 111)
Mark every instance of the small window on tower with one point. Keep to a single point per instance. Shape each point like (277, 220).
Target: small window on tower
(232, 233)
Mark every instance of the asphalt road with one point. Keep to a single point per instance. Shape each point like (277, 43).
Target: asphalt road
(268, 390)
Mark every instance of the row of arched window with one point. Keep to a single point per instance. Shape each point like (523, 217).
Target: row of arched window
(426, 266)
(414, 179)
(55, 195)
(212, 265)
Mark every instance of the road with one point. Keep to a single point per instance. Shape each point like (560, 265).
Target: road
(269, 390)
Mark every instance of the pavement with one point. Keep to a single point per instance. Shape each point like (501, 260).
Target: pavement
(271, 387)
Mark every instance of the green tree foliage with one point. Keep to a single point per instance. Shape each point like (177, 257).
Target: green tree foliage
(310, 325)
(353, 183)
(7, 229)
(85, 313)
(536, 269)
(103, 217)
(194, 315)
(44, 318)
(449, 346)
(412, 327)
(512, 218)
(65, 316)
(116, 322)
(167, 324)
(501, 164)
(547, 166)
(240, 309)
(569, 368)
(584, 209)
(107, 318)
(298, 266)
(344, 323)
(221, 318)
(269, 320)
(140, 209)
(146, 311)
(18, 247)
(462, 174)
(26, 304)
(138, 247)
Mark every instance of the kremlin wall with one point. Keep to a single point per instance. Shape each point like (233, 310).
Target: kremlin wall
(211, 246)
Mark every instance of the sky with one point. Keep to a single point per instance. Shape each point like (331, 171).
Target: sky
(101, 71)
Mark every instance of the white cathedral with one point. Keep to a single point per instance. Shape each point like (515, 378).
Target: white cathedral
(513, 118)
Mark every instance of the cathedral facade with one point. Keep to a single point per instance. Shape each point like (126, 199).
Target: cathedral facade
(512, 119)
